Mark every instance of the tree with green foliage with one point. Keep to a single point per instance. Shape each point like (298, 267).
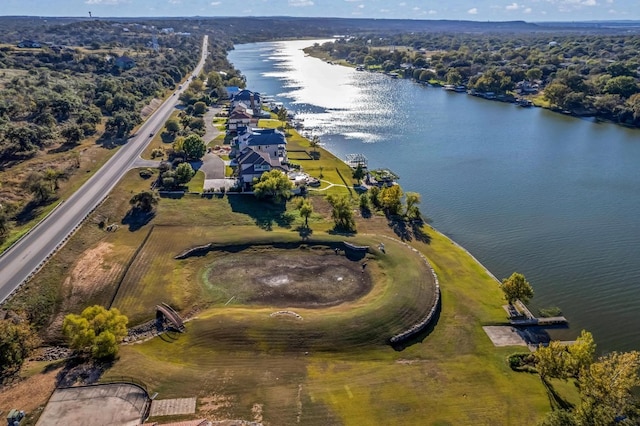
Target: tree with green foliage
(144, 201)
(359, 173)
(41, 190)
(199, 108)
(4, 223)
(306, 208)
(96, 331)
(553, 360)
(412, 210)
(516, 287)
(73, 133)
(624, 86)
(341, 212)
(17, 340)
(633, 103)
(194, 147)
(273, 184)
(582, 352)
(314, 142)
(184, 173)
(608, 390)
(52, 176)
(364, 203)
(172, 125)
(282, 116)
(391, 199)
(178, 145)
(556, 93)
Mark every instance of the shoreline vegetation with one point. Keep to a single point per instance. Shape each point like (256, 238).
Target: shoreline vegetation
(544, 71)
(327, 364)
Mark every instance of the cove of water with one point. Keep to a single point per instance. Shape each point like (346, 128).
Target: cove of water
(553, 197)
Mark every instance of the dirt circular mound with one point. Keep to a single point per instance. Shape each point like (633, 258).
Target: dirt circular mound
(297, 277)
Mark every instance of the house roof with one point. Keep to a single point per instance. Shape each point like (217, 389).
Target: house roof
(250, 158)
(239, 115)
(267, 137)
(245, 95)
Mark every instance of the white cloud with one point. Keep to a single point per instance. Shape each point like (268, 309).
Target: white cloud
(513, 6)
(216, 3)
(361, 6)
(432, 12)
(528, 10)
(300, 3)
(473, 11)
(175, 1)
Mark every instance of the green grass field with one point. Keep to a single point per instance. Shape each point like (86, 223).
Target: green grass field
(333, 366)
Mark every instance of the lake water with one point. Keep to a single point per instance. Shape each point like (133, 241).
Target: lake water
(553, 197)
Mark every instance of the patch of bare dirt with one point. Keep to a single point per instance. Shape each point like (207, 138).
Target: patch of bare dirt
(256, 411)
(210, 406)
(148, 109)
(88, 272)
(87, 276)
(309, 278)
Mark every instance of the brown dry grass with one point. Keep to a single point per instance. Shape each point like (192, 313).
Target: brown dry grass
(29, 394)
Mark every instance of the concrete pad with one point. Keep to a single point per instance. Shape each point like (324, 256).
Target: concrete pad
(111, 404)
(170, 407)
(504, 336)
(219, 183)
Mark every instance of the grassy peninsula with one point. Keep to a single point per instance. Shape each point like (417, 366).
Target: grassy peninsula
(332, 366)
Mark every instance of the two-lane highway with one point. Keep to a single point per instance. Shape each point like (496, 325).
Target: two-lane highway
(21, 260)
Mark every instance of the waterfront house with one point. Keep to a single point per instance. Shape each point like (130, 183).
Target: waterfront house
(239, 119)
(269, 141)
(251, 164)
(249, 98)
(231, 91)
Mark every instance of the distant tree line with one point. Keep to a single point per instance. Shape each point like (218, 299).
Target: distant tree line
(584, 74)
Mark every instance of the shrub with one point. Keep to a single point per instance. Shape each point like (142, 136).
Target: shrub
(145, 173)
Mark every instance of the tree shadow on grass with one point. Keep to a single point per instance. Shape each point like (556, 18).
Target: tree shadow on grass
(30, 211)
(400, 228)
(304, 231)
(409, 230)
(83, 371)
(555, 400)
(417, 226)
(67, 146)
(265, 214)
(136, 218)
(111, 143)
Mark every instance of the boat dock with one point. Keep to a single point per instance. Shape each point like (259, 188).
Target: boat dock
(531, 320)
(539, 321)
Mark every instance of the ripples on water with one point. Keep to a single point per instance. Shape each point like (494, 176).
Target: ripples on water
(525, 190)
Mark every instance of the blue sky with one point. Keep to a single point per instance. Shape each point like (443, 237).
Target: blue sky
(479, 10)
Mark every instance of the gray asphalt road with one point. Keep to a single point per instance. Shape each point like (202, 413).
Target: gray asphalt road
(20, 261)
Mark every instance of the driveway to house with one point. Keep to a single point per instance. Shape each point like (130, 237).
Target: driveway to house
(141, 162)
(212, 131)
(212, 166)
(21, 260)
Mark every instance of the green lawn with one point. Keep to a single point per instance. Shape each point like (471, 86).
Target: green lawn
(197, 182)
(332, 367)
